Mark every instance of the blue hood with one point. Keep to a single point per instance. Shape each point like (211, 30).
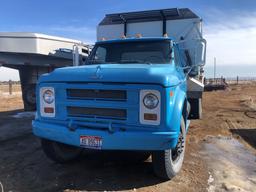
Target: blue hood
(162, 74)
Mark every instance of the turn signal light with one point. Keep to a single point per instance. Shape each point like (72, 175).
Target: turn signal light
(49, 110)
(150, 116)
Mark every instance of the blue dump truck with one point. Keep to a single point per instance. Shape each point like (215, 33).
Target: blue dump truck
(138, 91)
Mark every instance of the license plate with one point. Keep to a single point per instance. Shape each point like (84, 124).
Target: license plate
(91, 142)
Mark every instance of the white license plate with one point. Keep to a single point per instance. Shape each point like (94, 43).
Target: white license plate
(91, 142)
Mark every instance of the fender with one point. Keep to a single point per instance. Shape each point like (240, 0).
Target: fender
(175, 105)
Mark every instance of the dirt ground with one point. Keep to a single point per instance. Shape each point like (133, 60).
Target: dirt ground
(220, 153)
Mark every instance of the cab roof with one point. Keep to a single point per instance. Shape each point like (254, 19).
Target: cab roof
(135, 39)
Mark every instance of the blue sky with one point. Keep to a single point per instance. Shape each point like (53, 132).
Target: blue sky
(228, 24)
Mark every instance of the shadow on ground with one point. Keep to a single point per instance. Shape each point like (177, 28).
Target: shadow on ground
(249, 135)
(4, 114)
(101, 171)
(24, 166)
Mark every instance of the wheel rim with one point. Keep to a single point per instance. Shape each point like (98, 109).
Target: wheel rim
(31, 96)
(179, 149)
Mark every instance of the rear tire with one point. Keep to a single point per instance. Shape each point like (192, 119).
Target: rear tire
(141, 157)
(195, 108)
(29, 97)
(168, 163)
(60, 153)
(129, 156)
(136, 156)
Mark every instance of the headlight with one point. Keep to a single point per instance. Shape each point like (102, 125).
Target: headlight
(150, 101)
(48, 96)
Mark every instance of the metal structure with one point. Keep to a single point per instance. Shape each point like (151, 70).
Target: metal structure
(214, 84)
(34, 54)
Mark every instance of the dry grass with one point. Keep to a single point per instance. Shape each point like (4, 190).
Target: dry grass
(5, 88)
(10, 102)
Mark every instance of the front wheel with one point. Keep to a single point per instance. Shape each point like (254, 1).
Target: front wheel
(168, 163)
(60, 153)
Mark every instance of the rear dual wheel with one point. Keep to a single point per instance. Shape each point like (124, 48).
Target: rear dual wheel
(130, 156)
(29, 97)
(196, 111)
(168, 163)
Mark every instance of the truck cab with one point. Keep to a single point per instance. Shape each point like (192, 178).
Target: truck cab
(132, 95)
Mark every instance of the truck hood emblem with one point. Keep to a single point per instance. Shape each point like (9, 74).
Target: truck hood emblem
(98, 73)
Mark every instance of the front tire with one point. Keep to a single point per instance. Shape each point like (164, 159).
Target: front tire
(60, 153)
(168, 163)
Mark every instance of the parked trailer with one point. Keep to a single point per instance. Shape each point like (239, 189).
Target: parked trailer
(34, 54)
(213, 84)
(134, 94)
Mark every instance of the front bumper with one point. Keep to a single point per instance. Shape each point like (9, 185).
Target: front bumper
(118, 140)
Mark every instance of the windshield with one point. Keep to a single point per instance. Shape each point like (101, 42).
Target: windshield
(150, 52)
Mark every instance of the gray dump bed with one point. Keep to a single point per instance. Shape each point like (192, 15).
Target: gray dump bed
(182, 25)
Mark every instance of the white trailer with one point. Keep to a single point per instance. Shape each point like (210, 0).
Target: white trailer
(34, 54)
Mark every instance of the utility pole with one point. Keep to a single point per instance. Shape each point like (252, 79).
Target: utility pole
(10, 87)
(214, 68)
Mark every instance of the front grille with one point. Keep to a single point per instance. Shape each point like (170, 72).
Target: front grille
(96, 94)
(97, 112)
